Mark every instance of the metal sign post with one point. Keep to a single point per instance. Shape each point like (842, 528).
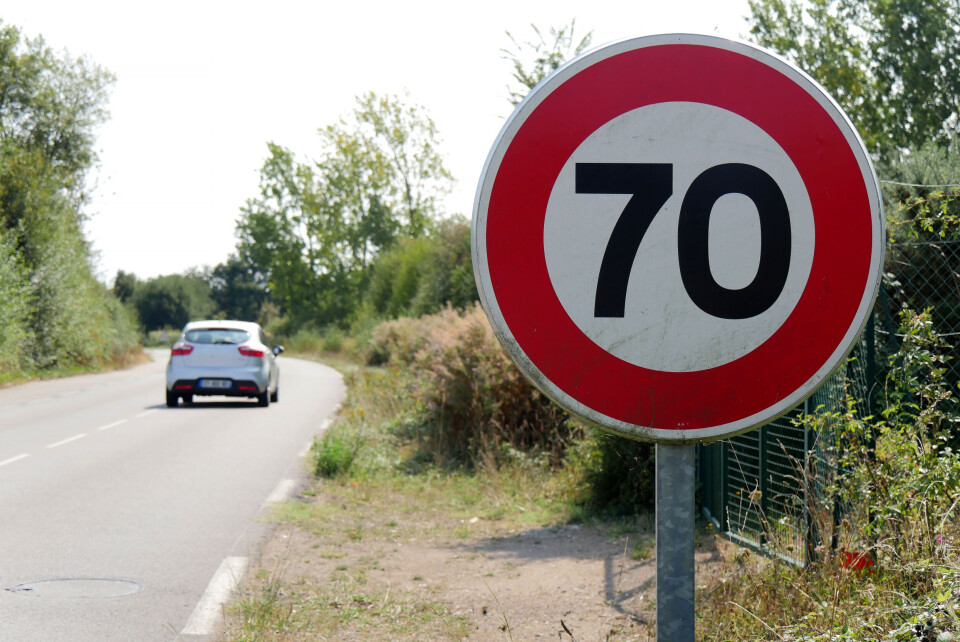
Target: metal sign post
(675, 542)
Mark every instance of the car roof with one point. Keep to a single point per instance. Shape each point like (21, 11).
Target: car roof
(223, 323)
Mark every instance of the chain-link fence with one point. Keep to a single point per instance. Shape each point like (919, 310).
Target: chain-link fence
(759, 488)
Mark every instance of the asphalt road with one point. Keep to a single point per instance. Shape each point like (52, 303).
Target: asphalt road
(121, 519)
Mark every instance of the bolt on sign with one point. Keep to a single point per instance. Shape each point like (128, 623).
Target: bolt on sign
(678, 237)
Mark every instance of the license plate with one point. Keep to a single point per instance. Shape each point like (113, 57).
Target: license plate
(219, 384)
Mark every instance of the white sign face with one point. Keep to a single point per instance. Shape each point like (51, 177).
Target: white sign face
(691, 138)
(678, 237)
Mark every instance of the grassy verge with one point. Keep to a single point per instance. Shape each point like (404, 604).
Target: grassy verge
(377, 490)
(127, 359)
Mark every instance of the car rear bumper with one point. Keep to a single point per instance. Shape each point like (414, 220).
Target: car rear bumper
(219, 386)
(184, 375)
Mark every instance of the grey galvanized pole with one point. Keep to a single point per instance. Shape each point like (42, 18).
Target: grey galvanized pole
(675, 524)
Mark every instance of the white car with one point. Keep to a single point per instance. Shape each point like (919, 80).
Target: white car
(230, 358)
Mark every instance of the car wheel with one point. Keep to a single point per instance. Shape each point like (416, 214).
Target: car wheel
(264, 400)
(275, 395)
(171, 400)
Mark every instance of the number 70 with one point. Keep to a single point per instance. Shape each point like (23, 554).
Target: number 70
(651, 185)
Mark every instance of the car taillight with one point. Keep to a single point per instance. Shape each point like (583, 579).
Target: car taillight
(247, 351)
(181, 350)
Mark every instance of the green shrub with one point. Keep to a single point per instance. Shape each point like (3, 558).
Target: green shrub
(333, 456)
(421, 275)
(333, 340)
(14, 312)
(619, 473)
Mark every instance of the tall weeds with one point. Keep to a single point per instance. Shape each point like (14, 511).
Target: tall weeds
(476, 405)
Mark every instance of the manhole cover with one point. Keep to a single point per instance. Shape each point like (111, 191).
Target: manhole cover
(77, 588)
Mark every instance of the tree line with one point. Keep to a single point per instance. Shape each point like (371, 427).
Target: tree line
(53, 311)
(358, 234)
(352, 236)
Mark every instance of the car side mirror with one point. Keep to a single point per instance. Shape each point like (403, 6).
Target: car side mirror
(277, 350)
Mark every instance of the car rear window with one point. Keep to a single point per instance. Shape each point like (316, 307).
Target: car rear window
(217, 335)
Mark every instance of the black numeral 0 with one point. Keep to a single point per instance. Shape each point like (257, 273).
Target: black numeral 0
(651, 185)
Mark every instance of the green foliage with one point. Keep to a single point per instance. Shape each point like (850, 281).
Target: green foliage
(893, 65)
(922, 196)
(895, 481)
(315, 228)
(53, 309)
(619, 473)
(238, 289)
(171, 301)
(124, 283)
(534, 60)
(407, 138)
(903, 461)
(934, 163)
(15, 306)
(420, 276)
(333, 456)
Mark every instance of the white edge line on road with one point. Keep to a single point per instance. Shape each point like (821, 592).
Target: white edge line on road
(67, 440)
(13, 459)
(146, 412)
(113, 425)
(306, 450)
(282, 492)
(221, 587)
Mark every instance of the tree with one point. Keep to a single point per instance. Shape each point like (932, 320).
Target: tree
(893, 65)
(124, 285)
(50, 107)
(238, 289)
(536, 59)
(407, 138)
(315, 227)
(420, 276)
(287, 237)
(172, 300)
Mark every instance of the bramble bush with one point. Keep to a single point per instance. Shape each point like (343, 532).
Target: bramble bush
(474, 400)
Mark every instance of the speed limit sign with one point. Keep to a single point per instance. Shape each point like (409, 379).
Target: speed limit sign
(678, 237)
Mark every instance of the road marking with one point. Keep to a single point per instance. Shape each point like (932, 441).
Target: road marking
(146, 412)
(113, 425)
(306, 450)
(13, 459)
(282, 492)
(67, 440)
(224, 583)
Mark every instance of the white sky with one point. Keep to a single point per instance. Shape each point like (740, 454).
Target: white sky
(203, 85)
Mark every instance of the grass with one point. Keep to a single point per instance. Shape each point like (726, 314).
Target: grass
(375, 486)
(762, 599)
(122, 361)
(341, 608)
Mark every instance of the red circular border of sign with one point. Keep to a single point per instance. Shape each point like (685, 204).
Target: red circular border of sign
(755, 382)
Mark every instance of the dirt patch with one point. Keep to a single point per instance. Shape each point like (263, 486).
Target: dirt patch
(381, 571)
